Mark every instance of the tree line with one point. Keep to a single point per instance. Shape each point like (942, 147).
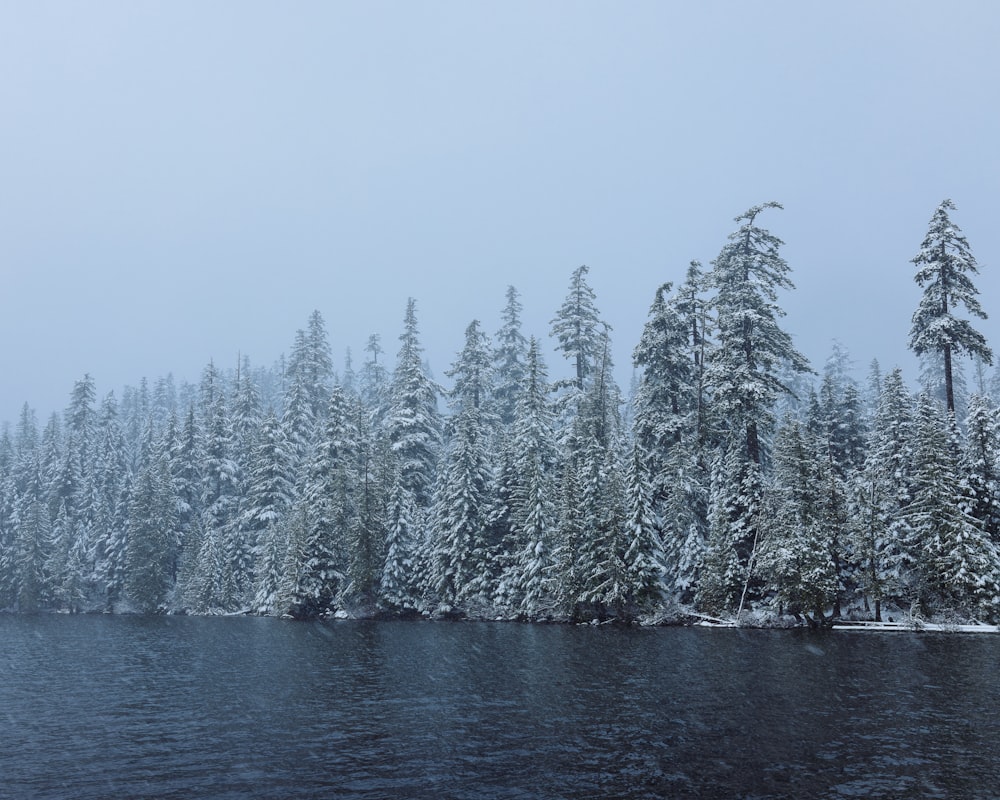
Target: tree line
(732, 477)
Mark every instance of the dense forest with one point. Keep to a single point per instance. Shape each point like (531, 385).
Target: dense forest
(731, 477)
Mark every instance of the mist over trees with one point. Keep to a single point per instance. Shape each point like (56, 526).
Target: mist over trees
(734, 477)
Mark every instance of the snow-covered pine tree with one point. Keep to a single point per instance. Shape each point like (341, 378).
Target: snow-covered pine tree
(880, 533)
(665, 406)
(670, 429)
(152, 534)
(509, 356)
(529, 577)
(413, 424)
(957, 565)
(330, 495)
(246, 415)
(80, 439)
(299, 424)
(375, 386)
(798, 553)
(186, 460)
(872, 389)
(743, 368)
(271, 552)
(399, 578)
(743, 377)
(164, 399)
(462, 562)
(578, 328)
(836, 431)
(269, 492)
(374, 466)
(33, 533)
(981, 464)
(7, 519)
(643, 558)
(310, 366)
(57, 557)
(307, 585)
(729, 570)
(592, 557)
(223, 551)
(945, 265)
(52, 474)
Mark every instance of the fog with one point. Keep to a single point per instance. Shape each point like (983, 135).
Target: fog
(184, 182)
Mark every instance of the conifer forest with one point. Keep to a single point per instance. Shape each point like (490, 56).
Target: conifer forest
(732, 477)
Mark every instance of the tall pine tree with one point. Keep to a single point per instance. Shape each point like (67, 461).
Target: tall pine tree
(945, 265)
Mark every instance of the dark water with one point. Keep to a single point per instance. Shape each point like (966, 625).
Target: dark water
(112, 707)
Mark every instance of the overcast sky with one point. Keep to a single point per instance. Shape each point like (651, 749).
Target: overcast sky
(184, 181)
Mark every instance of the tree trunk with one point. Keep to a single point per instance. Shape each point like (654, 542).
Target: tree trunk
(753, 444)
(949, 390)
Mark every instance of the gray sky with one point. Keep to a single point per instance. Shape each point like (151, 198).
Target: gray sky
(183, 181)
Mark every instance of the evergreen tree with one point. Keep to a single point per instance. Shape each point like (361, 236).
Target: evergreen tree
(872, 389)
(164, 399)
(313, 570)
(670, 428)
(34, 533)
(743, 368)
(799, 553)
(398, 580)
(508, 359)
(592, 554)
(881, 491)
(186, 460)
(665, 401)
(981, 465)
(66, 570)
(957, 565)
(209, 587)
(944, 266)
(413, 424)
(349, 380)
(210, 391)
(272, 550)
(374, 476)
(26, 445)
(529, 577)
(152, 536)
(602, 546)
(268, 482)
(375, 380)
(330, 496)
(578, 328)
(643, 558)
(246, 416)
(462, 560)
(135, 415)
(499, 520)
(8, 528)
(76, 485)
(53, 474)
(837, 432)
(736, 498)
(310, 366)
(743, 377)
(224, 551)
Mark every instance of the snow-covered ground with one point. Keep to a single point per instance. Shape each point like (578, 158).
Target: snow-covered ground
(915, 624)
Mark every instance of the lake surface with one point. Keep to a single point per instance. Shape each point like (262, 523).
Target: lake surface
(182, 707)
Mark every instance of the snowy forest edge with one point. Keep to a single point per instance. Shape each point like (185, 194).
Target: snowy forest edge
(734, 483)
